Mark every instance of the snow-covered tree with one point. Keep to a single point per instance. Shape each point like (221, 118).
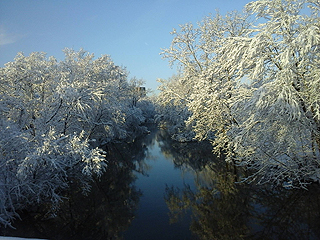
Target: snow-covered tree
(211, 99)
(278, 116)
(204, 88)
(53, 115)
(172, 108)
(255, 87)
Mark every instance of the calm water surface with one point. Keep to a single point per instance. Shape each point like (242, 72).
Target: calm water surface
(156, 188)
(152, 219)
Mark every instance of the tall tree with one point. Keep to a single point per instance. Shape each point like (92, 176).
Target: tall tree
(255, 87)
(205, 89)
(278, 116)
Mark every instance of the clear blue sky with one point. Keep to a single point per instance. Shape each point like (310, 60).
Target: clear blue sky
(132, 32)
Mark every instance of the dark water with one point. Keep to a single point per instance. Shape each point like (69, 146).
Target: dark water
(156, 188)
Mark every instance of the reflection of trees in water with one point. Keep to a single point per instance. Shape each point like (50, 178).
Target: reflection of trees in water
(185, 155)
(287, 214)
(236, 211)
(223, 209)
(103, 213)
(219, 209)
(134, 153)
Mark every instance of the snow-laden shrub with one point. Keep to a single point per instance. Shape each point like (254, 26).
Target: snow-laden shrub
(36, 171)
(52, 116)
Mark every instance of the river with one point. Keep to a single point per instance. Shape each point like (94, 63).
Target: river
(156, 188)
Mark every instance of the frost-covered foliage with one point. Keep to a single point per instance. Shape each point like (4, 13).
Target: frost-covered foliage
(256, 87)
(278, 132)
(52, 116)
(203, 87)
(79, 93)
(172, 110)
(36, 170)
(147, 106)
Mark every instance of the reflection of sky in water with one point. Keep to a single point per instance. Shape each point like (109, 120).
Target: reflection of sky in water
(219, 208)
(152, 219)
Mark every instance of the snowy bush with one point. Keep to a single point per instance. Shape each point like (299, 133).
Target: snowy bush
(172, 110)
(51, 115)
